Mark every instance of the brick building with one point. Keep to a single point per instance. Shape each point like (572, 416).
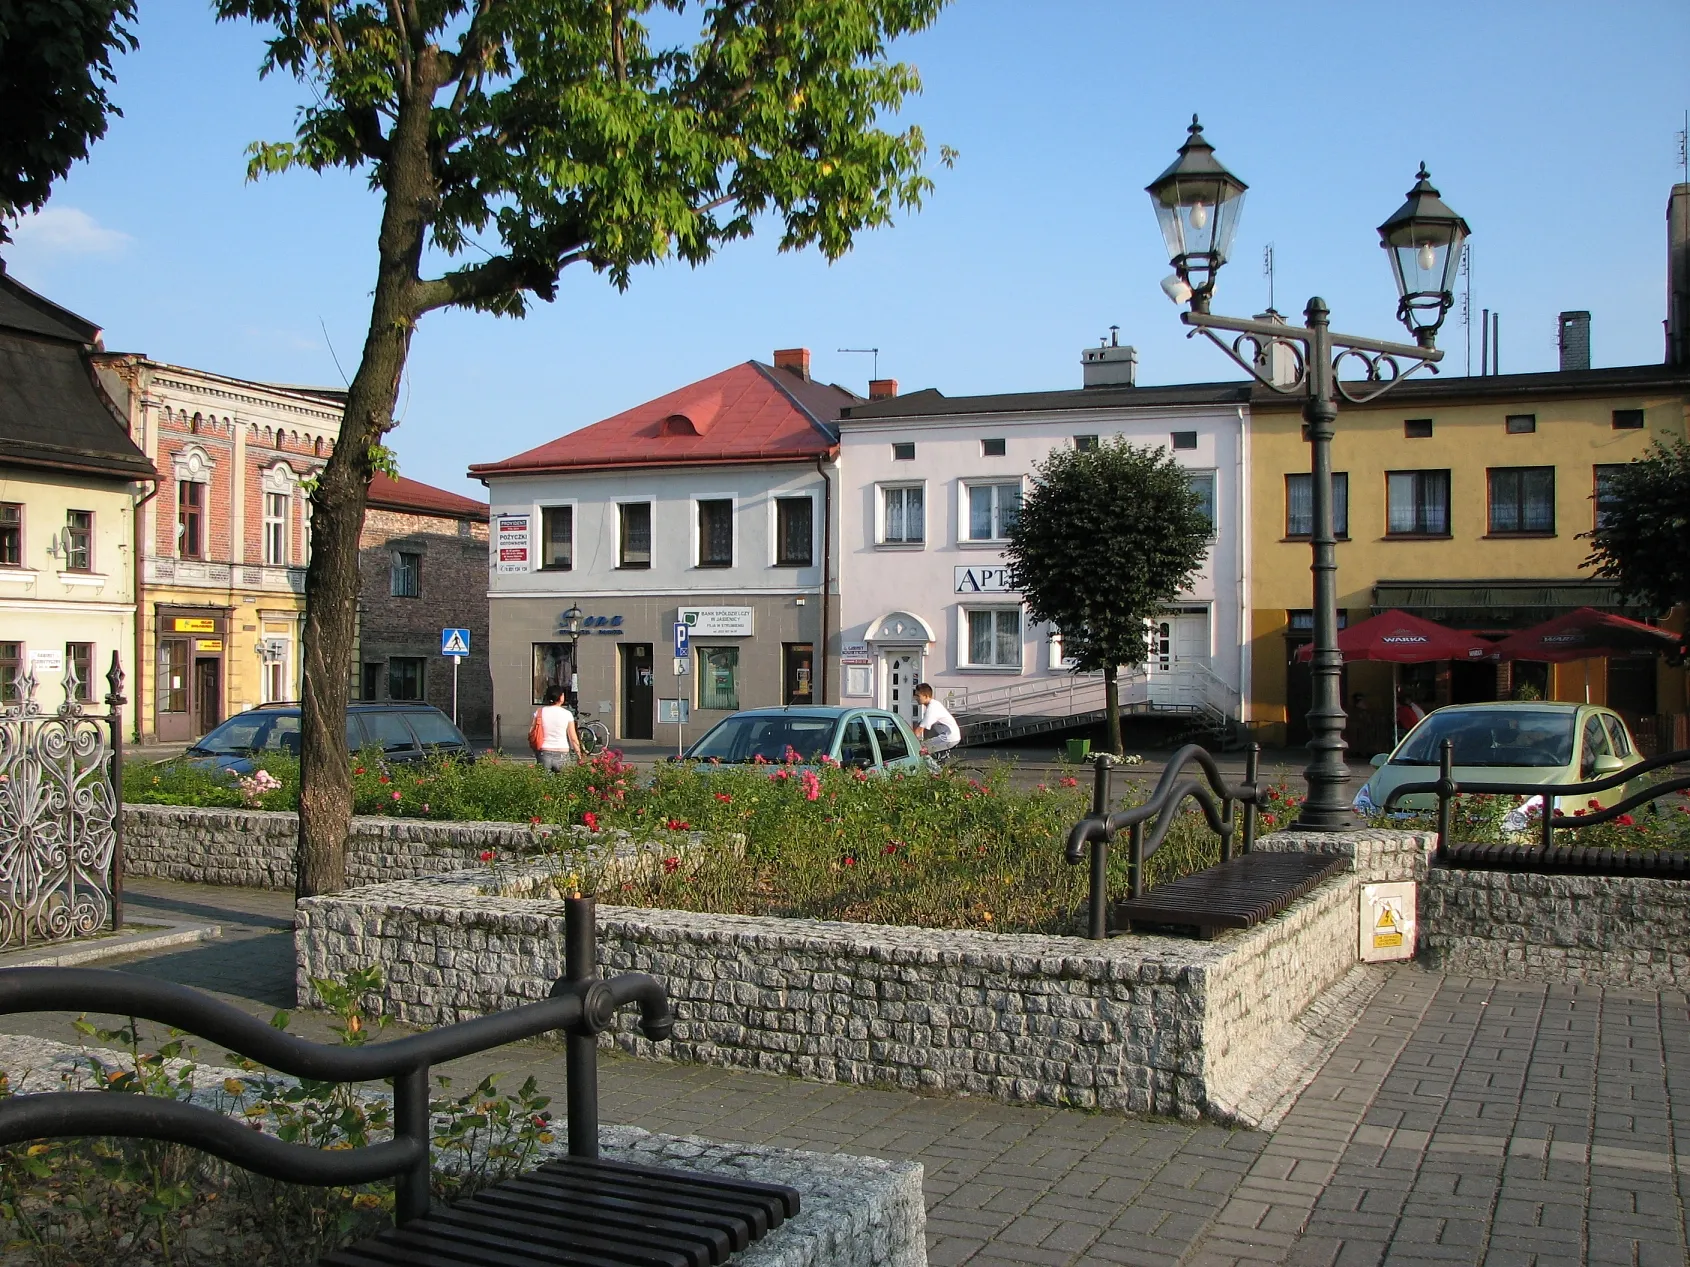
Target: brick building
(224, 543)
(423, 556)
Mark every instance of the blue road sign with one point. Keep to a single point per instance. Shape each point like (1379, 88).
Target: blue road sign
(454, 642)
(683, 634)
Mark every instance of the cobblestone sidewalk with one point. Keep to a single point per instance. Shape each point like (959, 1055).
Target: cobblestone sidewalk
(1459, 1121)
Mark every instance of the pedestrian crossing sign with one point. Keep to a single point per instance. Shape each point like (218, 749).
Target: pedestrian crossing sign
(454, 642)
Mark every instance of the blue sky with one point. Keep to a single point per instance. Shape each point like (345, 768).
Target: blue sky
(1550, 126)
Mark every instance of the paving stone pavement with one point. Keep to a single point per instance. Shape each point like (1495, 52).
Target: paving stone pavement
(1461, 1121)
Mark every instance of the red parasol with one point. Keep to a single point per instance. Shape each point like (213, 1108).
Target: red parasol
(1400, 638)
(1584, 634)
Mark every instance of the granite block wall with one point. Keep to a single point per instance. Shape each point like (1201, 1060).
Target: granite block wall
(1144, 1024)
(1624, 931)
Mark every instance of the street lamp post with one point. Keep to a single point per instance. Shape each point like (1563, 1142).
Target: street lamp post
(1198, 203)
(570, 623)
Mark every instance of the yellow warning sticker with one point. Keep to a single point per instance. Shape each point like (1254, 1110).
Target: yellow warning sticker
(1387, 933)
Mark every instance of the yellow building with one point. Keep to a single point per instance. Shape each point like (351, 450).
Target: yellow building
(1462, 500)
(69, 482)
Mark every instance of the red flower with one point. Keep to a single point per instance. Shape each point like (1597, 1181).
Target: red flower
(891, 848)
(677, 824)
(384, 779)
(850, 862)
(1069, 780)
(1593, 803)
(534, 819)
(1626, 820)
(671, 865)
(487, 855)
(591, 819)
(359, 770)
(724, 798)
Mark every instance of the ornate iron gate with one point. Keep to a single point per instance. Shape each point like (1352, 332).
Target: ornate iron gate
(61, 825)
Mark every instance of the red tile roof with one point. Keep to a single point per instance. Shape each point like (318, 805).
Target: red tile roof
(402, 494)
(749, 413)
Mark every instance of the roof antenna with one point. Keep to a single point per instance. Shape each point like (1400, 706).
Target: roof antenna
(1684, 147)
(1267, 272)
(866, 352)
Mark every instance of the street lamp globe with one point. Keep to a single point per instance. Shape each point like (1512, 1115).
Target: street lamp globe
(1197, 204)
(1424, 240)
(571, 621)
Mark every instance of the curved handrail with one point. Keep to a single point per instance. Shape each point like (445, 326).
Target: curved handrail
(71, 1113)
(1216, 797)
(126, 994)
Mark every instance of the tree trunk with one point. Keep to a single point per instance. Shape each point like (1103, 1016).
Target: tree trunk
(1112, 708)
(332, 580)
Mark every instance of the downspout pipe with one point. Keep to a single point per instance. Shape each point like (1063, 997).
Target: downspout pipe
(136, 518)
(827, 573)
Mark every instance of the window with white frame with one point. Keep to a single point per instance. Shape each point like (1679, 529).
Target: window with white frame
(715, 532)
(557, 538)
(992, 637)
(276, 529)
(794, 531)
(1203, 484)
(903, 515)
(992, 510)
(634, 536)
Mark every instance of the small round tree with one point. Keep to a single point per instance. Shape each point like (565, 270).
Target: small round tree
(1106, 539)
(1642, 535)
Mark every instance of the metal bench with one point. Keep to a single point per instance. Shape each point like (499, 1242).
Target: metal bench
(574, 1211)
(1240, 892)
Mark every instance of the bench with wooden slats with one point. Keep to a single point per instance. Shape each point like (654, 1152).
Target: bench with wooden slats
(1239, 893)
(578, 1212)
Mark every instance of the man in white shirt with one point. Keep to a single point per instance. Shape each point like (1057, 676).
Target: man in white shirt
(561, 740)
(937, 729)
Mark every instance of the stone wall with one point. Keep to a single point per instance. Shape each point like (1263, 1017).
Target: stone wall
(1144, 1023)
(255, 848)
(1621, 931)
(1376, 854)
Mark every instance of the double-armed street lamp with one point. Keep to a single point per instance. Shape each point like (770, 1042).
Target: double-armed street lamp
(1197, 203)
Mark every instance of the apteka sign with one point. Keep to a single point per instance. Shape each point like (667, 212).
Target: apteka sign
(983, 580)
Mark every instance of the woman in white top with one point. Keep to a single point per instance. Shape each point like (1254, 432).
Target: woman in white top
(561, 740)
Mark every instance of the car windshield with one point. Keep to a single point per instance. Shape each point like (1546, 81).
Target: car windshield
(743, 739)
(1506, 737)
(251, 732)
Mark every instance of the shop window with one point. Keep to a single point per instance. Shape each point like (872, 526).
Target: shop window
(79, 541)
(904, 515)
(405, 677)
(405, 580)
(994, 637)
(1522, 499)
(557, 538)
(794, 532)
(635, 536)
(553, 663)
(718, 678)
(11, 534)
(716, 533)
(1417, 503)
(11, 667)
(79, 656)
(993, 510)
(173, 675)
(1299, 505)
(276, 529)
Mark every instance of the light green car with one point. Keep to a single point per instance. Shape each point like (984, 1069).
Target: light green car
(1524, 741)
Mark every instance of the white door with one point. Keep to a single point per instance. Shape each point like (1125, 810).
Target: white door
(1179, 649)
(899, 672)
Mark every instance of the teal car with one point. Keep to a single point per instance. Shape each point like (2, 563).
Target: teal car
(1533, 742)
(868, 739)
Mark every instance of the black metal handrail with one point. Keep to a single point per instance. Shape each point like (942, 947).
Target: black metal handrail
(580, 1004)
(1216, 797)
(1446, 788)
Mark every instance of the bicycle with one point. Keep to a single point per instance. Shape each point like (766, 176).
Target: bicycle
(595, 735)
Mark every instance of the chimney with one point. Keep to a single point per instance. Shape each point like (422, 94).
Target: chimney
(882, 388)
(1678, 276)
(1110, 365)
(1574, 341)
(795, 359)
(1276, 360)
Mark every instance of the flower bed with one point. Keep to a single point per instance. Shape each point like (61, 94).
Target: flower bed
(941, 850)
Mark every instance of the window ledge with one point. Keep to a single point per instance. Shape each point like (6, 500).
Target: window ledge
(18, 576)
(1515, 536)
(712, 567)
(805, 564)
(900, 545)
(1418, 536)
(1305, 538)
(554, 569)
(632, 567)
(974, 543)
(94, 580)
(1002, 669)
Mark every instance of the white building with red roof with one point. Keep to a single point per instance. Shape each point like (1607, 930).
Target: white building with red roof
(715, 506)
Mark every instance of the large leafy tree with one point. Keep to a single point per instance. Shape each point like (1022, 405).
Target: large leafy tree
(1642, 537)
(1106, 539)
(55, 65)
(543, 133)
